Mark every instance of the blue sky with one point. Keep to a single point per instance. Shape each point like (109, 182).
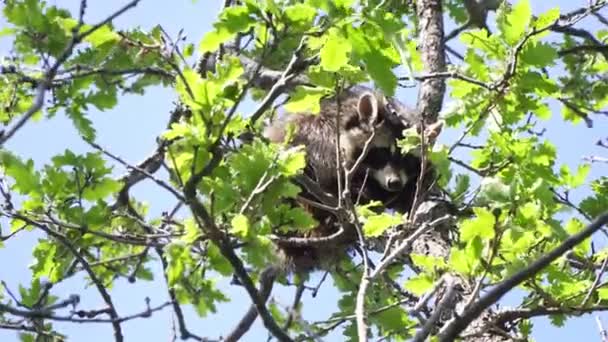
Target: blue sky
(130, 129)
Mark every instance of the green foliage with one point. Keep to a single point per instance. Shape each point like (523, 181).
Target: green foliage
(376, 223)
(481, 226)
(305, 99)
(514, 21)
(511, 196)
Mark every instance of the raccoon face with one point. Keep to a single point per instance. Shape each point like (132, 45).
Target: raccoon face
(388, 168)
(359, 124)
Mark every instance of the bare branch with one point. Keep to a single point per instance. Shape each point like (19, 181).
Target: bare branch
(266, 281)
(160, 182)
(48, 314)
(600, 326)
(450, 74)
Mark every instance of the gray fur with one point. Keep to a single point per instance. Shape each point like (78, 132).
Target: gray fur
(391, 175)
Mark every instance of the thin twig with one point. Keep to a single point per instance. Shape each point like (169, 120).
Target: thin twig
(96, 281)
(160, 182)
(596, 282)
(47, 80)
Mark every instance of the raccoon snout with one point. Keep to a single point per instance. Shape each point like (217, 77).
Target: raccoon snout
(394, 184)
(390, 178)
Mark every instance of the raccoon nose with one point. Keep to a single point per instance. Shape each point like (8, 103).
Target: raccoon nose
(394, 184)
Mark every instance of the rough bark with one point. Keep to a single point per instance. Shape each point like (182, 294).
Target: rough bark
(432, 48)
(430, 99)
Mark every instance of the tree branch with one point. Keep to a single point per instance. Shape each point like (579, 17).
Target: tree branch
(47, 80)
(432, 53)
(457, 325)
(266, 282)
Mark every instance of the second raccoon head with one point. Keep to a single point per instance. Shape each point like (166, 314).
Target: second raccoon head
(368, 116)
(387, 167)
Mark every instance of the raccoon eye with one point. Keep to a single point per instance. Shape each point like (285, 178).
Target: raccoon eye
(377, 157)
(351, 122)
(411, 163)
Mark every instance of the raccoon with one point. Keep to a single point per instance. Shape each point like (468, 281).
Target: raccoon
(384, 175)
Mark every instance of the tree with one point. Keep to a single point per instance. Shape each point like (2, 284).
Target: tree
(505, 222)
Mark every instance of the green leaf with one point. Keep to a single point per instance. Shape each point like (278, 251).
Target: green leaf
(26, 337)
(292, 161)
(575, 180)
(574, 226)
(300, 13)
(30, 296)
(603, 293)
(206, 304)
(581, 175)
(190, 82)
(229, 69)
(477, 65)
(240, 225)
(102, 35)
(419, 284)
(375, 225)
(380, 69)
(392, 319)
(177, 255)
(543, 111)
(83, 125)
(345, 4)
(513, 25)
(474, 249)
(596, 204)
(547, 18)
(428, 262)
(461, 261)
(103, 100)
(526, 327)
(479, 39)
(233, 20)
(193, 233)
(101, 189)
(17, 224)
(301, 219)
(27, 180)
(378, 64)
(218, 261)
(539, 54)
(46, 261)
(335, 52)
(213, 39)
(482, 225)
(493, 189)
(538, 83)
(188, 50)
(306, 99)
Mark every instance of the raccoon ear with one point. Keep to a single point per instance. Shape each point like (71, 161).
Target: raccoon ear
(367, 107)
